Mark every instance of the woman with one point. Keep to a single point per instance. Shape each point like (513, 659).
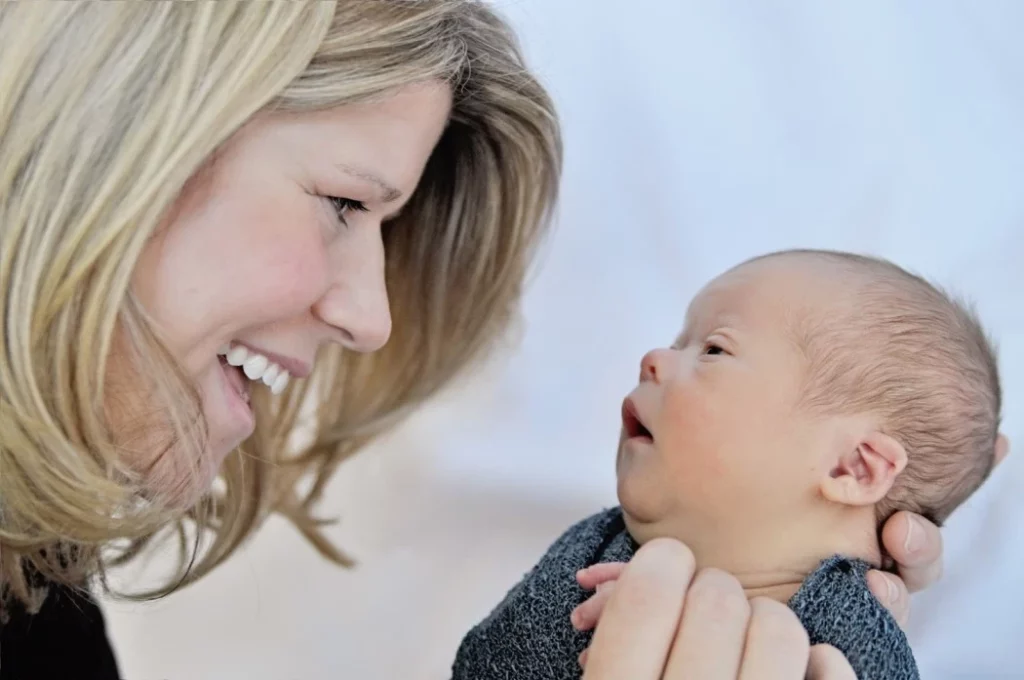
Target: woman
(196, 200)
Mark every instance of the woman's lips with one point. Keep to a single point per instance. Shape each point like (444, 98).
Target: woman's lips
(236, 379)
(236, 392)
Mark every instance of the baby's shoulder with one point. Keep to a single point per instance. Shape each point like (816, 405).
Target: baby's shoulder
(529, 634)
(837, 608)
(601, 537)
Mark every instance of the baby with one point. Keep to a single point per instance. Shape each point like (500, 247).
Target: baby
(811, 395)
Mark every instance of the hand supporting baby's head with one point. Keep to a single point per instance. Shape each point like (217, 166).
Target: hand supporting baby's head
(810, 395)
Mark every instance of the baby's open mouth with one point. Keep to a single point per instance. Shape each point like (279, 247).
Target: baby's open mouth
(631, 422)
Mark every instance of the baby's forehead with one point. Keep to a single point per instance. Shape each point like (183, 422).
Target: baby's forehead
(763, 294)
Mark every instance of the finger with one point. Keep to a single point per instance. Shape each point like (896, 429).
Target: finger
(586, 616)
(892, 593)
(583, 658)
(595, 575)
(709, 643)
(640, 620)
(828, 663)
(916, 546)
(777, 646)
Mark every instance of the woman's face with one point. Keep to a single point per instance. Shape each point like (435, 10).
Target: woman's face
(275, 249)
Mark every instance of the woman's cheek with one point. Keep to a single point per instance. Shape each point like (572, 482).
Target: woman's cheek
(291, 280)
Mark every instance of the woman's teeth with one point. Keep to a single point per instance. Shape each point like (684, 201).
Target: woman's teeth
(256, 367)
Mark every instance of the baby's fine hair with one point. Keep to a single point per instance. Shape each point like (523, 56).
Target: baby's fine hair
(920, 358)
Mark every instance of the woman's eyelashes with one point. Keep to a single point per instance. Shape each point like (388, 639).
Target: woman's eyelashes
(344, 206)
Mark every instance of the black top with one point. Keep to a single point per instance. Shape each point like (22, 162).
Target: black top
(67, 639)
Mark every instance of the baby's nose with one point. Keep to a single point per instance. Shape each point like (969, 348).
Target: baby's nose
(651, 365)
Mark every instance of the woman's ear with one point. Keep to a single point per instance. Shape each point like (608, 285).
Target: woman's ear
(864, 475)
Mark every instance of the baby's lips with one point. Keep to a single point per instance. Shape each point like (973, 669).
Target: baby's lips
(632, 423)
(630, 418)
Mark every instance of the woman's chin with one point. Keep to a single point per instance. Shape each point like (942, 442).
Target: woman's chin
(178, 484)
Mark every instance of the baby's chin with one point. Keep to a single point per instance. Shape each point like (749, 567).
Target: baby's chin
(643, 530)
(645, 519)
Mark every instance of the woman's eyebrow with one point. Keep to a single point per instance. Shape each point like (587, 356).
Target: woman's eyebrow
(388, 192)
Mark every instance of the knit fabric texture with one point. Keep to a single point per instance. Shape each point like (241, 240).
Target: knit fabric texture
(528, 636)
(837, 608)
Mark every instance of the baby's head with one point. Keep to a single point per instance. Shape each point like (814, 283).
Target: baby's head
(810, 391)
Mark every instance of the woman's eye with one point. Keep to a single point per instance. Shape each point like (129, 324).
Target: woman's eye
(343, 206)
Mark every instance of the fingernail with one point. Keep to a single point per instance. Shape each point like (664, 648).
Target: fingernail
(914, 542)
(892, 593)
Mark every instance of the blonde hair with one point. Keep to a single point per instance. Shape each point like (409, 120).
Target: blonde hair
(106, 111)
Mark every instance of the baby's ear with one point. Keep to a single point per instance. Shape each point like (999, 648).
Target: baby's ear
(864, 475)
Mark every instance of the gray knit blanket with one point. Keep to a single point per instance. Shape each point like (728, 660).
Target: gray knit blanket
(529, 637)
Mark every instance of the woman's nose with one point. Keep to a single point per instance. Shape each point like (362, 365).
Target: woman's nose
(357, 301)
(652, 365)
(367, 323)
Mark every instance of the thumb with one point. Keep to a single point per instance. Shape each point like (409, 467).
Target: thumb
(1002, 448)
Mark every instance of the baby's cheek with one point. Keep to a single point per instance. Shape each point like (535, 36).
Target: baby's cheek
(697, 441)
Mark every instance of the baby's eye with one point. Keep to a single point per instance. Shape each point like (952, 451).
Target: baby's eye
(712, 349)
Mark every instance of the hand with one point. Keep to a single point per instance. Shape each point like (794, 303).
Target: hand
(601, 579)
(916, 546)
(913, 542)
(659, 622)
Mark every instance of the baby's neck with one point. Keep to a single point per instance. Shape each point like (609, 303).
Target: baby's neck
(781, 586)
(774, 562)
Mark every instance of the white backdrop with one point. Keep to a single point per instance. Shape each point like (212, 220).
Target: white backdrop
(697, 134)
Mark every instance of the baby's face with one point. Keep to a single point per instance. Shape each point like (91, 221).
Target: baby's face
(714, 431)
